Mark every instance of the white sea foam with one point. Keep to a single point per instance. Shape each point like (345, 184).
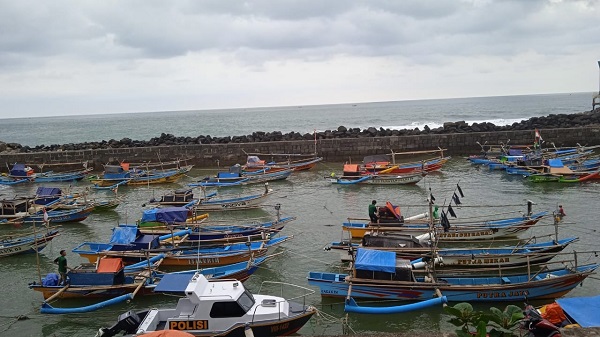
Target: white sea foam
(434, 125)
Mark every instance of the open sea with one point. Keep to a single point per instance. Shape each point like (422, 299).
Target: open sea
(320, 207)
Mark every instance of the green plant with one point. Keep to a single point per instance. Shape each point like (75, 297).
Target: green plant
(476, 323)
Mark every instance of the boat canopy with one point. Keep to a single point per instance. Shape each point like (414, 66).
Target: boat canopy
(555, 163)
(19, 170)
(124, 234)
(584, 310)
(110, 265)
(395, 210)
(375, 260)
(167, 215)
(48, 191)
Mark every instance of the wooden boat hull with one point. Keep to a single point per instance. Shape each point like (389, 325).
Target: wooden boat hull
(387, 179)
(233, 204)
(541, 287)
(430, 165)
(455, 233)
(61, 216)
(92, 291)
(26, 245)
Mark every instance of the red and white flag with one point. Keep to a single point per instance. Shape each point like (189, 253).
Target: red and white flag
(45, 215)
(538, 136)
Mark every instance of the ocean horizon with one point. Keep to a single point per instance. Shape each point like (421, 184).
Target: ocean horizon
(394, 115)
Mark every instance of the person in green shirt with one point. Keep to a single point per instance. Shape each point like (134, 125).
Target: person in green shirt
(61, 261)
(373, 212)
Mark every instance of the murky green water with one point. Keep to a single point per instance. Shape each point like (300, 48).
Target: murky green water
(320, 208)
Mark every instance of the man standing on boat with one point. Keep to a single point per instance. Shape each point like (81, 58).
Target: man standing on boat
(61, 261)
(373, 211)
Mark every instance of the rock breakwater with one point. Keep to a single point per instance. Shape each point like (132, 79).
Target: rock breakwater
(553, 121)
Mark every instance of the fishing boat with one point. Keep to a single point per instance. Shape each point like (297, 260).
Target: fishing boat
(556, 171)
(30, 243)
(352, 175)
(20, 173)
(188, 255)
(461, 231)
(232, 204)
(126, 174)
(380, 275)
(107, 278)
(220, 307)
(254, 163)
(236, 177)
(376, 163)
(421, 253)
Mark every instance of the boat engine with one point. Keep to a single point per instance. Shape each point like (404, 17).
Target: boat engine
(127, 322)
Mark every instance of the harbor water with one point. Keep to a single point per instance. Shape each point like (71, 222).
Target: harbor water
(319, 206)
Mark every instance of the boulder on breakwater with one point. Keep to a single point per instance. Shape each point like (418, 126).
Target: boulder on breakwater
(553, 121)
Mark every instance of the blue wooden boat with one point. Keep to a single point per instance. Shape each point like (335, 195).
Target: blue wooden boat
(21, 244)
(59, 216)
(20, 173)
(486, 229)
(124, 175)
(379, 275)
(236, 177)
(232, 204)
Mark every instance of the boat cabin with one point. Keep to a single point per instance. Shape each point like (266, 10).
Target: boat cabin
(351, 170)
(384, 240)
(381, 265)
(120, 171)
(390, 214)
(556, 166)
(108, 271)
(254, 161)
(14, 207)
(183, 196)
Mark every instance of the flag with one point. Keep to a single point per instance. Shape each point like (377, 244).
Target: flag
(45, 215)
(538, 136)
(444, 221)
(456, 199)
(451, 211)
(460, 191)
(431, 197)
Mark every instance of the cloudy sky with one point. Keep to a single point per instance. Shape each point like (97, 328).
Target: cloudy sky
(88, 57)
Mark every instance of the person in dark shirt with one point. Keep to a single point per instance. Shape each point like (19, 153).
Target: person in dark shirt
(61, 261)
(373, 212)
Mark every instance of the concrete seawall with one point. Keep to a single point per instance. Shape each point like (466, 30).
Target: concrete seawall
(332, 150)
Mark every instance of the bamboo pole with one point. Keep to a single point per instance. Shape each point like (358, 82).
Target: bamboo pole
(57, 293)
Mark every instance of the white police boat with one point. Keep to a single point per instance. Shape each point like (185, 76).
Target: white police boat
(218, 307)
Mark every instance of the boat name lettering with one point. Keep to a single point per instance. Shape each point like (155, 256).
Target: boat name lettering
(325, 291)
(280, 327)
(188, 325)
(466, 235)
(233, 235)
(10, 250)
(483, 261)
(208, 260)
(234, 204)
(499, 294)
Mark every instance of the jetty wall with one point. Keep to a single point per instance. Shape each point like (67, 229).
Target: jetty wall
(332, 150)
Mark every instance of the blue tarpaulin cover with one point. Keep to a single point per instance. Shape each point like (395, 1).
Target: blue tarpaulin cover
(48, 191)
(124, 234)
(584, 310)
(50, 280)
(515, 152)
(555, 163)
(376, 260)
(173, 283)
(168, 215)
(18, 170)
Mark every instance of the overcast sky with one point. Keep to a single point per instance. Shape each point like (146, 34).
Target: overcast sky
(88, 57)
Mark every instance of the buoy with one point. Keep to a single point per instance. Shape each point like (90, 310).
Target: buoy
(417, 217)
(248, 331)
